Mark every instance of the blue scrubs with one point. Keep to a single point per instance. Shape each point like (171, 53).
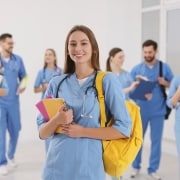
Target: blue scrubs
(152, 112)
(14, 72)
(81, 158)
(44, 76)
(173, 88)
(125, 79)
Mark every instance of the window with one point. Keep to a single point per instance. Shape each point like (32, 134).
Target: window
(149, 3)
(173, 40)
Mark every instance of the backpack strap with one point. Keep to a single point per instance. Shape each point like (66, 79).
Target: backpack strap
(163, 89)
(100, 94)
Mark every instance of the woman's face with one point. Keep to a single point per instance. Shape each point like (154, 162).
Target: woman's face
(49, 57)
(79, 48)
(118, 59)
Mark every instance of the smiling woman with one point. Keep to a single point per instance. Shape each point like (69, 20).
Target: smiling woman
(86, 45)
(76, 153)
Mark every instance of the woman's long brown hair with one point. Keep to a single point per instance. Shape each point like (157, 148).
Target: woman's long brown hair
(69, 66)
(112, 53)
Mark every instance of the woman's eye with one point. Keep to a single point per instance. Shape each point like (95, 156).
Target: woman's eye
(72, 44)
(84, 43)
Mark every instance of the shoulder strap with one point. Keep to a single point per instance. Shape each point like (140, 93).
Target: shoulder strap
(62, 80)
(99, 87)
(163, 89)
(160, 69)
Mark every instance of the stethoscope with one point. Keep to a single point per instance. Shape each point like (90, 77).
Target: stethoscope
(89, 115)
(83, 114)
(44, 80)
(13, 64)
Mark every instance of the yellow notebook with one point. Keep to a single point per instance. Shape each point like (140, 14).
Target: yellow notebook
(51, 106)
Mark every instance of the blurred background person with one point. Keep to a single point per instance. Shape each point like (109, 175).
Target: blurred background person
(153, 108)
(14, 72)
(114, 64)
(44, 75)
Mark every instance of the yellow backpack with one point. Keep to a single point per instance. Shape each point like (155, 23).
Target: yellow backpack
(119, 154)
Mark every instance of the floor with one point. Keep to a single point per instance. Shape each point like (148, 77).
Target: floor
(30, 157)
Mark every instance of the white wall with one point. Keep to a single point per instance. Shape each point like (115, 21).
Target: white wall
(40, 24)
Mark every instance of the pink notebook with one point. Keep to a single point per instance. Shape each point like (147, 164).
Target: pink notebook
(40, 106)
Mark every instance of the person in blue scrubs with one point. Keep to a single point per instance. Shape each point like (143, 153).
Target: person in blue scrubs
(14, 72)
(76, 153)
(114, 64)
(153, 109)
(43, 77)
(173, 101)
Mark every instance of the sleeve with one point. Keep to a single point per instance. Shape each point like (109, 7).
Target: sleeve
(115, 102)
(22, 70)
(129, 79)
(168, 74)
(39, 79)
(173, 88)
(134, 73)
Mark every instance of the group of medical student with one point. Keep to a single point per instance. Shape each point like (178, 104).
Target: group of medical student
(77, 152)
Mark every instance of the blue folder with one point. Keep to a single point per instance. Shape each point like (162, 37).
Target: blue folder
(143, 88)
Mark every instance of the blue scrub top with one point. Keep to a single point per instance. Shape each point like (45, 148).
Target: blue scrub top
(81, 158)
(45, 75)
(157, 105)
(125, 79)
(173, 88)
(14, 72)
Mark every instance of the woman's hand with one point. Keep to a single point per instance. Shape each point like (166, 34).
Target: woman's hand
(73, 130)
(44, 86)
(163, 82)
(63, 116)
(134, 85)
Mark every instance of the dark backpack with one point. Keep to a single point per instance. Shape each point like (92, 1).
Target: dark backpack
(163, 89)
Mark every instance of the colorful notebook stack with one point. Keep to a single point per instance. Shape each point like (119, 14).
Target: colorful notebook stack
(49, 107)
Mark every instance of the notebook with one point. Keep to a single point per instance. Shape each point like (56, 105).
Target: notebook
(49, 107)
(143, 88)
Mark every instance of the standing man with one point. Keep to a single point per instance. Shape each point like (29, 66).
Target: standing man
(153, 109)
(14, 72)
